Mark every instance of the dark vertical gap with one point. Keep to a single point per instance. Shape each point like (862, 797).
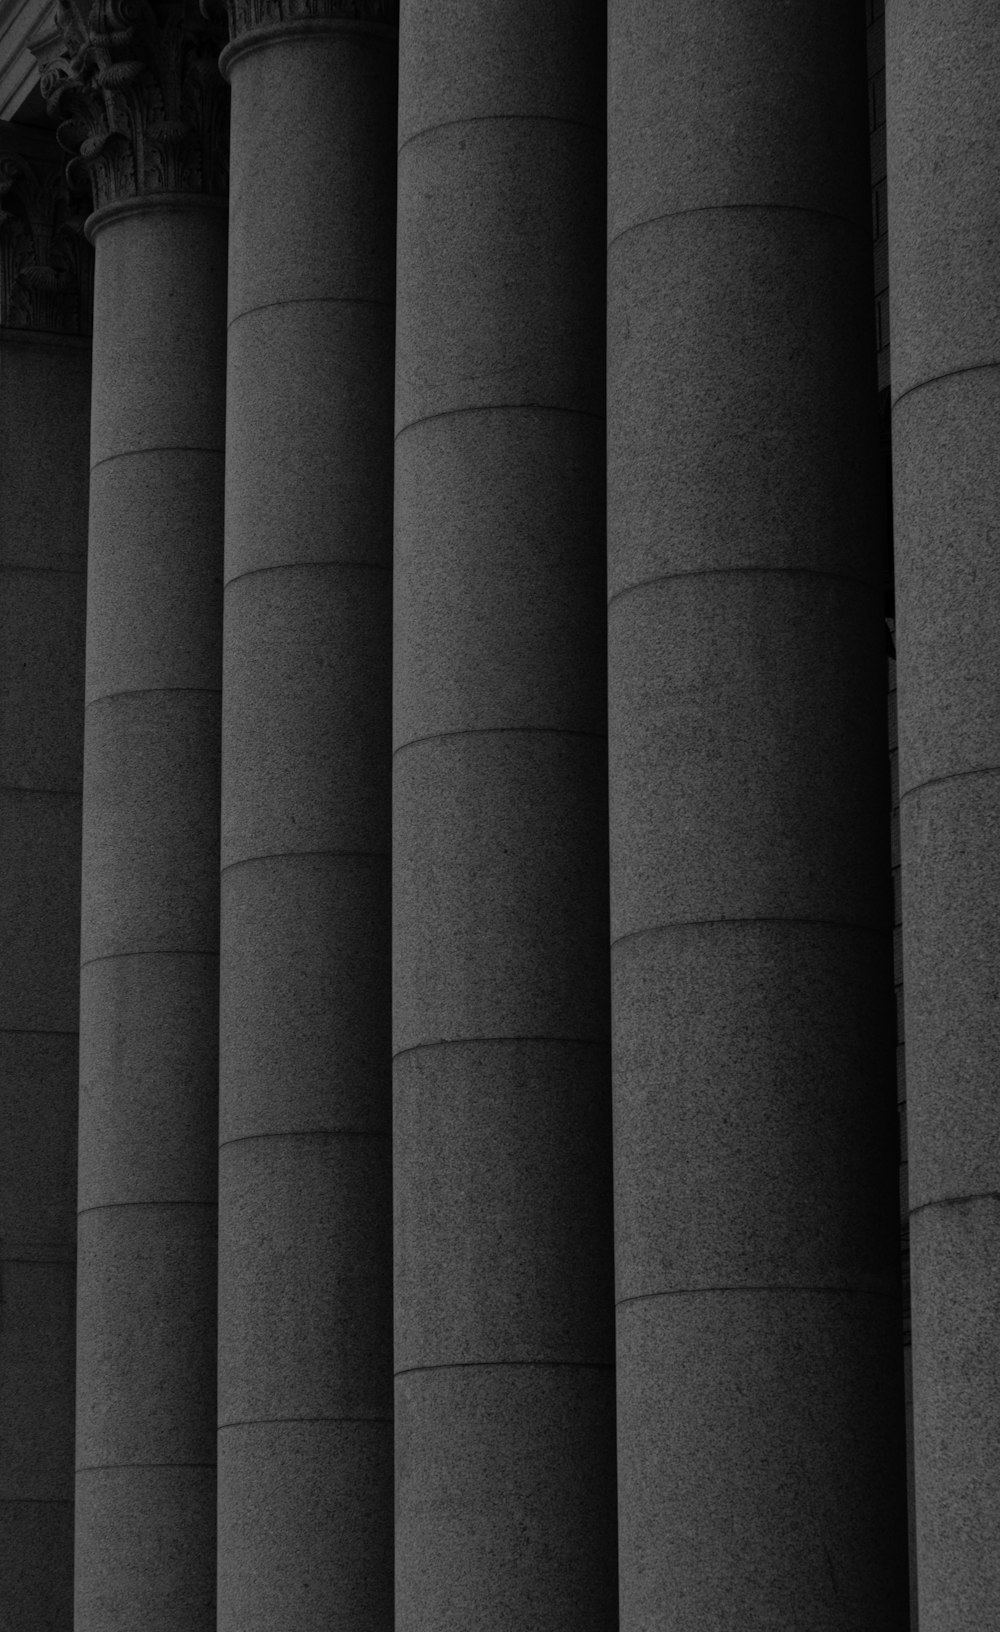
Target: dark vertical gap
(875, 18)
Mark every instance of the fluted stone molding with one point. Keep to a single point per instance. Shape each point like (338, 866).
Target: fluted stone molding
(146, 121)
(760, 1407)
(305, 1208)
(143, 107)
(942, 73)
(46, 264)
(44, 420)
(505, 1505)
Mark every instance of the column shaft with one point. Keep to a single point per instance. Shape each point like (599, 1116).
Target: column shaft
(942, 69)
(44, 414)
(149, 990)
(760, 1453)
(504, 1391)
(305, 1342)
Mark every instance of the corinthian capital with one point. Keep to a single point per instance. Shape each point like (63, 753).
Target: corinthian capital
(144, 108)
(46, 264)
(247, 15)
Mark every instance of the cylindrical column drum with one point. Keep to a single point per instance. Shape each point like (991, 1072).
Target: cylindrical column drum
(943, 122)
(44, 418)
(305, 1295)
(505, 1510)
(760, 1452)
(145, 1532)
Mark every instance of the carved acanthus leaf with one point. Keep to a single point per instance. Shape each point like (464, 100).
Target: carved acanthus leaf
(143, 107)
(46, 264)
(245, 15)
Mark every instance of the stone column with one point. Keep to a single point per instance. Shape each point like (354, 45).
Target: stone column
(942, 68)
(305, 1267)
(761, 1466)
(147, 106)
(505, 1389)
(44, 418)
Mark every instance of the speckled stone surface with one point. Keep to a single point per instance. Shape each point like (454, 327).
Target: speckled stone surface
(755, 1476)
(499, 935)
(45, 386)
(941, 76)
(156, 384)
(40, 881)
(44, 431)
(504, 1399)
(316, 991)
(160, 589)
(150, 823)
(752, 1071)
(946, 510)
(723, 321)
(282, 1484)
(760, 1400)
(146, 1335)
(313, 126)
(146, 1307)
(951, 887)
(723, 773)
(471, 196)
(38, 1562)
(955, 1257)
(148, 1093)
(306, 714)
(524, 1283)
(41, 693)
(279, 367)
(306, 1229)
(37, 1337)
(442, 80)
(505, 1488)
(523, 486)
(125, 1575)
(942, 67)
(739, 103)
(305, 1344)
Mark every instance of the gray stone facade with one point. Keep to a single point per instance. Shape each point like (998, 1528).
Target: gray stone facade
(499, 861)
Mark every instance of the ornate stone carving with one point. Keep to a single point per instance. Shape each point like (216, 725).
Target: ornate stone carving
(144, 108)
(46, 264)
(245, 15)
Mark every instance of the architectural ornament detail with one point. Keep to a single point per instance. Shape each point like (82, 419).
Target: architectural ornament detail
(245, 15)
(143, 107)
(46, 264)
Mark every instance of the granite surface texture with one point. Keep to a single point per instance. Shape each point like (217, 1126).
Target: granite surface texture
(760, 1401)
(944, 256)
(44, 419)
(305, 1267)
(503, 1298)
(149, 992)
